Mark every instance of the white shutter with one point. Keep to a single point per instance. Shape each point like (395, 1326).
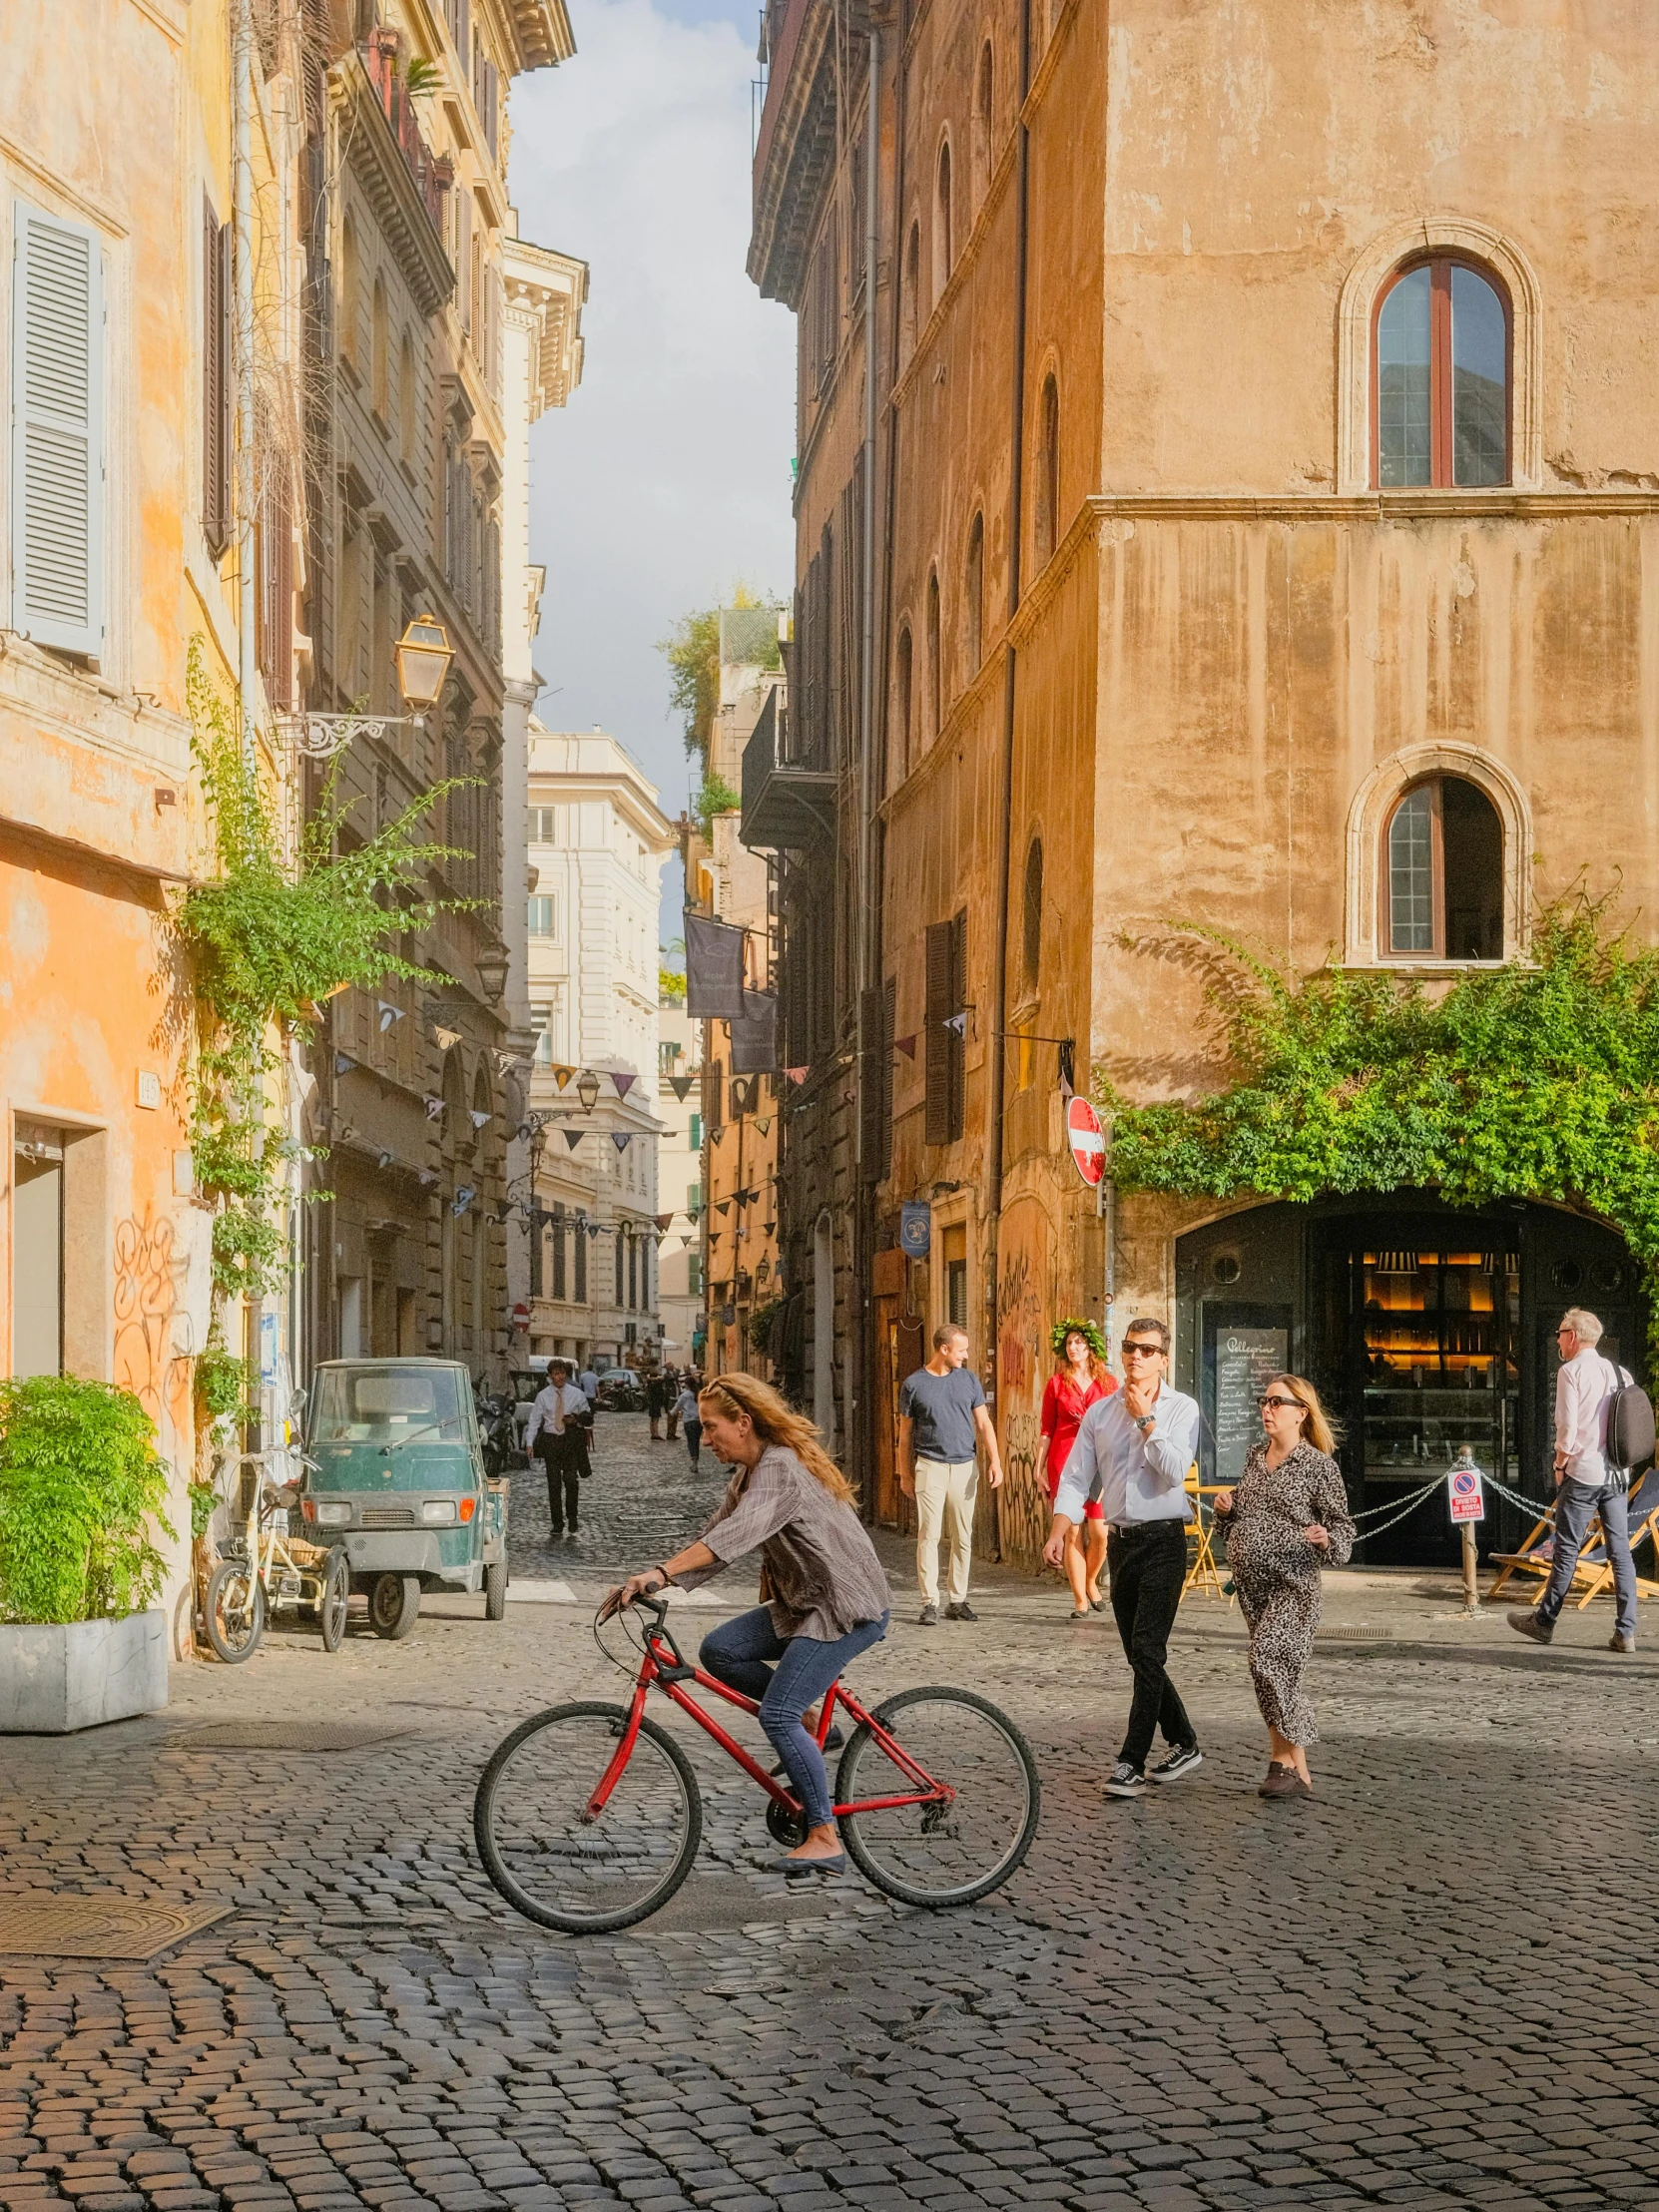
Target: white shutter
(57, 434)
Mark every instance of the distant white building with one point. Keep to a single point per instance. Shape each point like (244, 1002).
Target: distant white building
(596, 843)
(680, 1184)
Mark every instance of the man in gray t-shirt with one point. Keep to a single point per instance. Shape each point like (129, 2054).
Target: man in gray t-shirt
(941, 1414)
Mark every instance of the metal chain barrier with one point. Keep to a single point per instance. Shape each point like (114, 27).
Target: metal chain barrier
(1416, 1498)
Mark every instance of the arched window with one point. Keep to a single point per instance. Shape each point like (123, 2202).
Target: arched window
(378, 352)
(913, 289)
(902, 693)
(1443, 874)
(973, 595)
(407, 406)
(1033, 914)
(934, 685)
(1443, 372)
(983, 92)
(1048, 471)
(943, 250)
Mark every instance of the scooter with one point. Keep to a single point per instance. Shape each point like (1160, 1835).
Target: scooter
(497, 1432)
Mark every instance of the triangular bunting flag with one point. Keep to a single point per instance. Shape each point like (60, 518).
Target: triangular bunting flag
(795, 1075)
(680, 1086)
(624, 1081)
(906, 1045)
(562, 1076)
(572, 1137)
(463, 1199)
(958, 1022)
(619, 1141)
(503, 1062)
(724, 1207)
(388, 1014)
(763, 1128)
(386, 1158)
(343, 1063)
(478, 1118)
(769, 1229)
(427, 1179)
(593, 1228)
(663, 1220)
(448, 1039)
(434, 1107)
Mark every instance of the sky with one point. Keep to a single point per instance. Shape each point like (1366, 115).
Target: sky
(666, 478)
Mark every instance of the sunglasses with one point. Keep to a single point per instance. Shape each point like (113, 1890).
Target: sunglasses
(1265, 1402)
(1143, 1351)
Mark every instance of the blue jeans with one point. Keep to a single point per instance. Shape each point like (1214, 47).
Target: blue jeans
(737, 1653)
(1575, 1502)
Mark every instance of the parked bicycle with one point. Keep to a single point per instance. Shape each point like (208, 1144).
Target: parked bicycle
(588, 1816)
(263, 1568)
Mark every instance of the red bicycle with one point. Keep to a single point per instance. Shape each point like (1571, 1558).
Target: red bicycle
(588, 1816)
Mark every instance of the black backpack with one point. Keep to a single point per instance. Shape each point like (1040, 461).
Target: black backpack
(1630, 1432)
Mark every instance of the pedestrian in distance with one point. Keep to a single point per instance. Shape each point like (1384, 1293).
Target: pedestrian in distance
(829, 1594)
(672, 1383)
(941, 1418)
(655, 1397)
(693, 1420)
(1133, 1452)
(1285, 1518)
(561, 1422)
(1081, 1378)
(590, 1387)
(1588, 1487)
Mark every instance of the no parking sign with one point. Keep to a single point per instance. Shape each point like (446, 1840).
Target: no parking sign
(1467, 1499)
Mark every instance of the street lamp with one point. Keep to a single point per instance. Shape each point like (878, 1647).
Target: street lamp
(423, 657)
(491, 964)
(587, 1088)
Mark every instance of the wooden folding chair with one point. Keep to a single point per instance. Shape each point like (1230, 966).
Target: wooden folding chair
(1204, 1573)
(1535, 1556)
(1643, 1509)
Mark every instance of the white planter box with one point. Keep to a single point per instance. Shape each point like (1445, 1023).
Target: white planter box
(61, 1676)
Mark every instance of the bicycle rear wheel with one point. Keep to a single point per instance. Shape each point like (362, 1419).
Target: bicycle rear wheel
(556, 1861)
(949, 1853)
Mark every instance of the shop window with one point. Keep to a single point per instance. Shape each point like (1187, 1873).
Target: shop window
(1444, 874)
(1442, 377)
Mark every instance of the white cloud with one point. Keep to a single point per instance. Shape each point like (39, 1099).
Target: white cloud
(667, 475)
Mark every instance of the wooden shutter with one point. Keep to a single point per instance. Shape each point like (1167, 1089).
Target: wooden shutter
(216, 379)
(58, 433)
(275, 549)
(938, 1038)
(958, 1037)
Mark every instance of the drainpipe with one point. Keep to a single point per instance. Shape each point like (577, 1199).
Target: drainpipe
(241, 216)
(1017, 496)
(862, 1238)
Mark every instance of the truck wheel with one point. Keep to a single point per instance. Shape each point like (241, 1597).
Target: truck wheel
(394, 1605)
(495, 1590)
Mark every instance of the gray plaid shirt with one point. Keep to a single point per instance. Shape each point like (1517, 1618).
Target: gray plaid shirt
(822, 1570)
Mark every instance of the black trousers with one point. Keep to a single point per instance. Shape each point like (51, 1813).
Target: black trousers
(566, 1461)
(1148, 1566)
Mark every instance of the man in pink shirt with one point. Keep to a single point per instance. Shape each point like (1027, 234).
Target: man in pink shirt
(1588, 1487)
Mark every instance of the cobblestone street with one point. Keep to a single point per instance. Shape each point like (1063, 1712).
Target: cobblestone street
(1433, 1986)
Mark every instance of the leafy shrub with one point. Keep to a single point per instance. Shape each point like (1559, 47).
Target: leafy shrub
(81, 1481)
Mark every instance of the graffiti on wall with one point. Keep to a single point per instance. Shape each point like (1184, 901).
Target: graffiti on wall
(148, 1289)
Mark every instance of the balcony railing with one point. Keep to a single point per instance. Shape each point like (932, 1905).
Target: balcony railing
(432, 176)
(788, 805)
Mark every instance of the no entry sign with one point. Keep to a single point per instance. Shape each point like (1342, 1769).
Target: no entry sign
(1468, 1502)
(1087, 1141)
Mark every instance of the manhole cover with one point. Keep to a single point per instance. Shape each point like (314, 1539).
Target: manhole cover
(46, 1925)
(1354, 1635)
(286, 1736)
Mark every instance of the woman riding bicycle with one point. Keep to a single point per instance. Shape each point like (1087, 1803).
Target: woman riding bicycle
(828, 1597)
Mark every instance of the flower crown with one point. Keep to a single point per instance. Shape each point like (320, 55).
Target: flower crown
(1074, 1325)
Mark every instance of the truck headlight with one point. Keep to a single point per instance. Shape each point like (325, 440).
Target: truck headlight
(439, 1509)
(327, 1512)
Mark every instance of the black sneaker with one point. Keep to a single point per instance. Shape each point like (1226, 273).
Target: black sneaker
(963, 1613)
(1126, 1781)
(1185, 1759)
(928, 1617)
(1528, 1624)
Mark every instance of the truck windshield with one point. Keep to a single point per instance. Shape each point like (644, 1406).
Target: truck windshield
(358, 1405)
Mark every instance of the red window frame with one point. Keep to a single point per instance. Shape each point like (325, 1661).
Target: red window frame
(1441, 266)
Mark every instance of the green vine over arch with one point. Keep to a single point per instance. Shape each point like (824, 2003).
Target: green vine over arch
(267, 941)
(1539, 1079)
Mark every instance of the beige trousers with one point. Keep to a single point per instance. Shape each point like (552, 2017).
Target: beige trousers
(945, 1499)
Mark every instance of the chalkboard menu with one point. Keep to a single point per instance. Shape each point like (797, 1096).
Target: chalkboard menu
(1245, 1358)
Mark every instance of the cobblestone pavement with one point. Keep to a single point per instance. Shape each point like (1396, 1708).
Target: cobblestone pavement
(1433, 1986)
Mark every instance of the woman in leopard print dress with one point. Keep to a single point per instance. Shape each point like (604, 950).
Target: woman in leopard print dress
(1287, 1517)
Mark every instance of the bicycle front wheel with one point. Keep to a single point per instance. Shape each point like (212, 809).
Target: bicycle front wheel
(234, 1611)
(950, 1853)
(557, 1859)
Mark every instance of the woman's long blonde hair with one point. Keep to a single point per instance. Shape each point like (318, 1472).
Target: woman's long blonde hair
(1317, 1428)
(778, 1423)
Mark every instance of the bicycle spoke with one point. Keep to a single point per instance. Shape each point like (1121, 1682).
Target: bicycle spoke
(552, 1854)
(940, 1851)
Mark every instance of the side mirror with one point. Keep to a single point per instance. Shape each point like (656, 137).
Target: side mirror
(296, 1406)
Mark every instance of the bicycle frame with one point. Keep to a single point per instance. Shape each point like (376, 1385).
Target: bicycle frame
(665, 1665)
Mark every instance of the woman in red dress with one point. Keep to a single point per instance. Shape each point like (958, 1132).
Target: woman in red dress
(1081, 1378)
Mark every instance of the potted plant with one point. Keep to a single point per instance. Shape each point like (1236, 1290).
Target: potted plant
(82, 1489)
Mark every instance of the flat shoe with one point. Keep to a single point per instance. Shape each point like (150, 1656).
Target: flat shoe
(799, 1870)
(1283, 1782)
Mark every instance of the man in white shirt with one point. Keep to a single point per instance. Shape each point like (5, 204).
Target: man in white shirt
(560, 1421)
(1584, 1388)
(1133, 1452)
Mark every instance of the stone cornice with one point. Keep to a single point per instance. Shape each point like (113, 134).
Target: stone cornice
(1502, 504)
(391, 191)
